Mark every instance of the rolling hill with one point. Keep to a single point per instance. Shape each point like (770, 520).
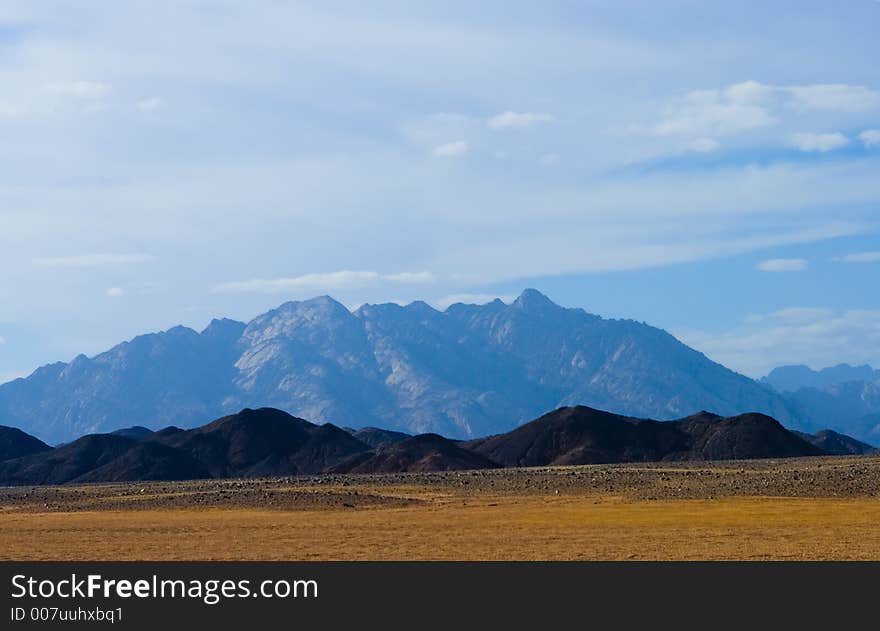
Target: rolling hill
(425, 452)
(582, 435)
(267, 442)
(14, 443)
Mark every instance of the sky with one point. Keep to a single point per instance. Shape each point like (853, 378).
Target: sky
(709, 168)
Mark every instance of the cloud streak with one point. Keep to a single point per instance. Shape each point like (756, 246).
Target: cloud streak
(870, 138)
(751, 105)
(451, 149)
(822, 143)
(782, 265)
(815, 336)
(861, 257)
(329, 281)
(517, 120)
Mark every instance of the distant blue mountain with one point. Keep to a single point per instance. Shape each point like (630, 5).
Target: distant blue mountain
(464, 372)
(847, 397)
(793, 378)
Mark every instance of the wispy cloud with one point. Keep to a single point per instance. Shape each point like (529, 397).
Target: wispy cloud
(751, 105)
(329, 281)
(782, 265)
(518, 120)
(860, 257)
(713, 113)
(115, 292)
(92, 260)
(704, 145)
(822, 143)
(833, 97)
(812, 335)
(451, 149)
(870, 138)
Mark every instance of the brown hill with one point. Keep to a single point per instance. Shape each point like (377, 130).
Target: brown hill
(264, 442)
(270, 442)
(147, 460)
(67, 462)
(582, 435)
(376, 437)
(838, 444)
(14, 443)
(425, 452)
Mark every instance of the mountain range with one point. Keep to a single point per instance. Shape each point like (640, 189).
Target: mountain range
(468, 371)
(268, 442)
(847, 395)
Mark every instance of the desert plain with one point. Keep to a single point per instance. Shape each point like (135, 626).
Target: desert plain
(802, 509)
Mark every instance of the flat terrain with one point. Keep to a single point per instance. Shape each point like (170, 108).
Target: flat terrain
(810, 508)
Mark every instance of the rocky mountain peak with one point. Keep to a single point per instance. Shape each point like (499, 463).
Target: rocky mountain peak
(534, 301)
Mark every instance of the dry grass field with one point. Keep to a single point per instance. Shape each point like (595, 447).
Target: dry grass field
(826, 508)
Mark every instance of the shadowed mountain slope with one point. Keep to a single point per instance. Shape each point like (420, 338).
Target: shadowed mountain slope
(137, 432)
(838, 444)
(270, 442)
(425, 452)
(582, 435)
(376, 437)
(14, 443)
(67, 462)
(264, 442)
(147, 460)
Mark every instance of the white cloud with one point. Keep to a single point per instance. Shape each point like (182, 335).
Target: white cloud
(808, 141)
(152, 103)
(55, 97)
(860, 257)
(782, 265)
(834, 97)
(714, 113)
(704, 145)
(517, 120)
(817, 337)
(115, 292)
(451, 149)
(751, 105)
(471, 299)
(549, 160)
(870, 137)
(92, 260)
(2, 340)
(330, 281)
(749, 93)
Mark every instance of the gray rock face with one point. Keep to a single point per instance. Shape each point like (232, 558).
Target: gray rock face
(465, 372)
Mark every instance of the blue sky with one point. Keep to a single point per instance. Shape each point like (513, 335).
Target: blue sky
(711, 168)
